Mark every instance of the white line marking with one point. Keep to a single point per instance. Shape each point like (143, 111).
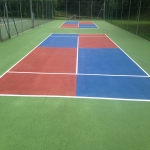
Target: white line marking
(61, 24)
(94, 36)
(64, 33)
(80, 74)
(80, 36)
(41, 73)
(95, 24)
(113, 75)
(64, 36)
(78, 26)
(37, 46)
(81, 33)
(77, 97)
(77, 56)
(88, 28)
(129, 57)
(99, 98)
(24, 57)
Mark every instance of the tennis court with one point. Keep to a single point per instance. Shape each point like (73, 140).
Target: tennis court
(70, 88)
(79, 24)
(81, 65)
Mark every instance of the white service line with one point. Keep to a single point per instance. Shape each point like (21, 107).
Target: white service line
(41, 73)
(82, 36)
(101, 36)
(83, 33)
(77, 97)
(113, 75)
(64, 36)
(23, 57)
(79, 74)
(129, 56)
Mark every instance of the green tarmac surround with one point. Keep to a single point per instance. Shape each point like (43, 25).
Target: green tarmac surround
(73, 124)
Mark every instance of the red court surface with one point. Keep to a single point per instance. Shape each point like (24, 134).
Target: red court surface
(38, 84)
(69, 26)
(44, 59)
(96, 42)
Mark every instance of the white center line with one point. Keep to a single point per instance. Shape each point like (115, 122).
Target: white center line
(77, 56)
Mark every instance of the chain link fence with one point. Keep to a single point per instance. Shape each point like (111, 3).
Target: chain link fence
(79, 9)
(131, 15)
(18, 16)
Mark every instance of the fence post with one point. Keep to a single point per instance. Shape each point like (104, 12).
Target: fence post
(104, 10)
(112, 11)
(139, 12)
(52, 8)
(46, 10)
(42, 13)
(109, 11)
(66, 9)
(1, 31)
(122, 10)
(21, 15)
(129, 15)
(91, 8)
(116, 10)
(4, 23)
(79, 9)
(49, 10)
(6, 8)
(31, 10)
(37, 12)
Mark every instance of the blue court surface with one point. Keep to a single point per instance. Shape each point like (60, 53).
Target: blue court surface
(70, 42)
(103, 72)
(87, 26)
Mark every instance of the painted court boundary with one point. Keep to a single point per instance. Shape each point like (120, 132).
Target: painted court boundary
(77, 54)
(128, 56)
(76, 97)
(74, 74)
(24, 57)
(78, 26)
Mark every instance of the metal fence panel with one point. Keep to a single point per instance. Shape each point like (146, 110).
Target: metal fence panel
(79, 9)
(17, 16)
(130, 15)
(144, 22)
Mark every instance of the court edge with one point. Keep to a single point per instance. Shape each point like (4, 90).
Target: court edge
(78, 26)
(24, 56)
(76, 97)
(77, 56)
(100, 98)
(128, 56)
